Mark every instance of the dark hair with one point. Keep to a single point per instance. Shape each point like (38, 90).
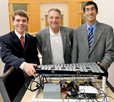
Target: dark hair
(90, 3)
(20, 13)
(54, 9)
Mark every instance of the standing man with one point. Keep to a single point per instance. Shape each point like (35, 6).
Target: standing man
(18, 49)
(93, 41)
(55, 42)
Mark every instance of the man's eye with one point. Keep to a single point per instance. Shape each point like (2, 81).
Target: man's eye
(57, 17)
(17, 20)
(87, 9)
(24, 20)
(93, 9)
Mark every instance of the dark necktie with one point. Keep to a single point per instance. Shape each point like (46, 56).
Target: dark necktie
(22, 41)
(90, 37)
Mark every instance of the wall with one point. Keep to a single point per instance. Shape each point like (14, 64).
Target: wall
(4, 17)
(106, 15)
(34, 12)
(4, 24)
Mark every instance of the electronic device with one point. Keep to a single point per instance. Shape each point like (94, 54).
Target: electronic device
(52, 91)
(90, 68)
(88, 90)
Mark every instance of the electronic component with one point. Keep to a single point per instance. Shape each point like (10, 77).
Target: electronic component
(73, 92)
(88, 89)
(52, 91)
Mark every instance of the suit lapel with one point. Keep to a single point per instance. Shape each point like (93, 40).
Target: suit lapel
(47, 40)
(98, 33)
(63, 35)
(84, 35)
(27, 41)
(16, 40)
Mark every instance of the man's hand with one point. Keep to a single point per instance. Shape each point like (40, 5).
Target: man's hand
(99, 63)
(29, 69)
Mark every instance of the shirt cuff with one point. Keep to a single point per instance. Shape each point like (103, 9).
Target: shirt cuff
(22, 65)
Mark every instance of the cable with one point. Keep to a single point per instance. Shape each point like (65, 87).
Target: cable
(105, 96)
(30, 83)
(110, 97)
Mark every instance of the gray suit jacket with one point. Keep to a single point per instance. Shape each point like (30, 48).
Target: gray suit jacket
(44, 46)
(102, 48)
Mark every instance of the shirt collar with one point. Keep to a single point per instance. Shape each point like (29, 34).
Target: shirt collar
(93, 26)
(52, 34)
(18, 35)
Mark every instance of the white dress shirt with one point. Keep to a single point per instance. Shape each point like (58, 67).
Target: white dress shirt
(19, 36)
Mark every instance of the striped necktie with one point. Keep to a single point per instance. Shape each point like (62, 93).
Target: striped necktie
(90, 37)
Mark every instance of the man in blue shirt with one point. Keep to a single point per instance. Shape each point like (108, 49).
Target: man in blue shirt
(93, 41)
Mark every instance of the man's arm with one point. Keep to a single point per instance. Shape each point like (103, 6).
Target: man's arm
(35, 52)
(12, 60)
(109, 50)
(71, 37)
(75, 48)
(7, 56)
(39, 42)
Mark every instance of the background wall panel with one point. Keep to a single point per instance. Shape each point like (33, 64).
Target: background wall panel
(33, 9)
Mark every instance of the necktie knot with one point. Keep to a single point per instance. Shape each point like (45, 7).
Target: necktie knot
(22, 37)
(90, 28)
(22, 41)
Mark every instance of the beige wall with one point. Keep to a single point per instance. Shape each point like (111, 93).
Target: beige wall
(106, 11)
(106, 15)
(4, 24)
(4, 17)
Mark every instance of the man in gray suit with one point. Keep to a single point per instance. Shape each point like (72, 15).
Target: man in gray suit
(100, 47)
(55, 41)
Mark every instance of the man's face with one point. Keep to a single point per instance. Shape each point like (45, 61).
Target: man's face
(90, 13)
(20, 23)
(54, 19)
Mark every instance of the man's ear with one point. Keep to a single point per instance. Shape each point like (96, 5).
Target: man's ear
(97, 12)
(28, 22)
(84, 13)
(12, 22)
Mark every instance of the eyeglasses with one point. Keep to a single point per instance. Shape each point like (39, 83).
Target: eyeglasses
(91, 9)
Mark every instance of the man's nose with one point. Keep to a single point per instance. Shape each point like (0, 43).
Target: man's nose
(54, 19)
(21, 22)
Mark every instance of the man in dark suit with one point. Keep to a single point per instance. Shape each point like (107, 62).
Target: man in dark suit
(55, 41)
(21, 54)
(93, 41)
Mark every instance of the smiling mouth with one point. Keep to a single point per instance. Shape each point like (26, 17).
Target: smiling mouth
(90, 16)
(20, 27)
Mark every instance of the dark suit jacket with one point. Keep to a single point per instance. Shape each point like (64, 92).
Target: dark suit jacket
(13, 54)
(102, 48)
(44, 46)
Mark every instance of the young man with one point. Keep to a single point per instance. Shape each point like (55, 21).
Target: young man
(18, 49)
(93, 41)
(55, 41)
